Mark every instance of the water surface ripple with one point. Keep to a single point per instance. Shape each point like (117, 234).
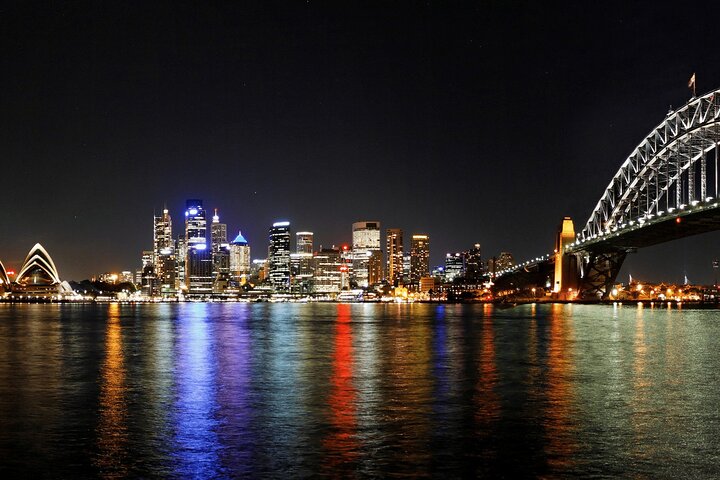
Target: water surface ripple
(355, 391)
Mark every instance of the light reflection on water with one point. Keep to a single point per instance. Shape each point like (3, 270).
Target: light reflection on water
(352, 391)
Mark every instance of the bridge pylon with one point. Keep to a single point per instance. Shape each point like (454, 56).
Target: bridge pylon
(565, 282)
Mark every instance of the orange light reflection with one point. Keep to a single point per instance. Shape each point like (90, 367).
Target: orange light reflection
(112, 428)
(342, 442)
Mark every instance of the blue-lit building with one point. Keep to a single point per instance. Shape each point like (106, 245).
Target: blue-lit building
(198, 258)
(240, 258)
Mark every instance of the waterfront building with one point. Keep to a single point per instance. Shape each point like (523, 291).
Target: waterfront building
(163, 255)
(279, 256)
(240, 258)
(4, 279)
(454, 266)
(426, 284)
(331, 272)
(38, 275)
(394, 251)
(419, 258)
(198, 258)
(147, 274)
(366, 257)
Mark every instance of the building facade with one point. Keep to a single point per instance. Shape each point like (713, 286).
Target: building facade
(366, 253)
(198, 258)
(394, 252)
(279, 256)
(419, 258)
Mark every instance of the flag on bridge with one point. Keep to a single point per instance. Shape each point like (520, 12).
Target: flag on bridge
(691, 83)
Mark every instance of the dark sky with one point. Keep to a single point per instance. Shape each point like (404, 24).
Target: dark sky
(472, 122)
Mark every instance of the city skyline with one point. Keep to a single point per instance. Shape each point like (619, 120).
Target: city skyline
(473, 123)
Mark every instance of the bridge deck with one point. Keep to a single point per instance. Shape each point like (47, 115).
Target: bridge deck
(699, 220)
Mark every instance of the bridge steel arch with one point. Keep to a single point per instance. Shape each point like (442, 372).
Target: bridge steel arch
(667, 171)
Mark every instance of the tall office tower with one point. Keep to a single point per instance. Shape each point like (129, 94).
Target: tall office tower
(302, 259)
(454, 266)
(330, 271)
(473, 264)
(240, 258)
(180, 256)
(164, 255)
(220, 247)
(147, 275)
(394, 251)
(406, 269)
(366, 255)
(198, 259)
(218, 231)
(304, 242)
(279, 256)
(419, 258)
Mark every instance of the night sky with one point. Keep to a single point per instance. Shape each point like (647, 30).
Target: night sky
(471, 122)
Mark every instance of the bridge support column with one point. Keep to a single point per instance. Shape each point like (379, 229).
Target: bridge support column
(566, 271)
(599, 271)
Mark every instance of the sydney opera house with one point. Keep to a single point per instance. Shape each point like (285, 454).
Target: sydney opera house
(38, 277)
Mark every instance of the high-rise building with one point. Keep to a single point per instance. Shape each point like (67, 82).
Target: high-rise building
(302, 259)
(331, 271)
(180, 257)
(147, 276)
(198, 258)
(394, 251)
(240, 258)
(454, 266)
(164, 255)
(419, 258)
(304, 242)
(473, 264)
(279, 256)
(220, 249)
(366, 254)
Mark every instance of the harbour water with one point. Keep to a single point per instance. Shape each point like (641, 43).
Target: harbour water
(354, 391)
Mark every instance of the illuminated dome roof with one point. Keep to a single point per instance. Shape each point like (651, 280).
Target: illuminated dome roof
(240, 240)
(38, 268)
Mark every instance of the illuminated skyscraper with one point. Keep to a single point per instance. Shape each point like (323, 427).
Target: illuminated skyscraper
(240, 258)
(473, 264)
(394, 250)
(419, 258)
(304, 242)
(163, 255)
(279, 256)
(366, 254)
(220, 248)
(301, 262)
(454, 266)
(330, 272)
(198, 259)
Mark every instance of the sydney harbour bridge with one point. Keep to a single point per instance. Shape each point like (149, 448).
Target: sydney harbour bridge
(665, 190)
